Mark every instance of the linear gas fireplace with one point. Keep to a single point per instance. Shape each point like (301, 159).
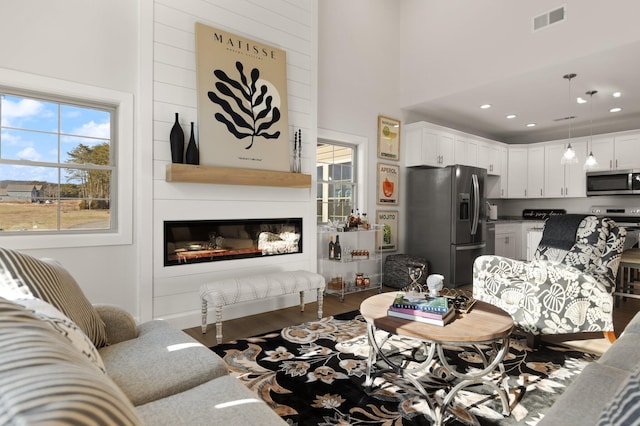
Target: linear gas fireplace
(194, 241)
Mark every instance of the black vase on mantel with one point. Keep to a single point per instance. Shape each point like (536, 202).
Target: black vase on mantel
(176, 137)
(193, 157)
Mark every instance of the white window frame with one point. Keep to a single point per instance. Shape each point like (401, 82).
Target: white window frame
(361, 143)
(123, 200)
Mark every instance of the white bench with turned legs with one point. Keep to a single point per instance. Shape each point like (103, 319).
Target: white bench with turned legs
(230, 291)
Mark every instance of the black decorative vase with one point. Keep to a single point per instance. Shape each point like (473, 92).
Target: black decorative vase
(193, 157)
(176, 137)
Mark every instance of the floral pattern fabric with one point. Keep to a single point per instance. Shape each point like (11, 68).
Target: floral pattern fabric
(559, 291)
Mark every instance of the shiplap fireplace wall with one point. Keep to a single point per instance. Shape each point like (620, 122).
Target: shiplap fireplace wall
(289, 25)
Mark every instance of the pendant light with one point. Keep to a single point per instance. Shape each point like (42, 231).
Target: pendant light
(569, 156)
(591, 162)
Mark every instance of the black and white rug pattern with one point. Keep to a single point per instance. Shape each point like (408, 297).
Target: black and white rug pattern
(314, 374)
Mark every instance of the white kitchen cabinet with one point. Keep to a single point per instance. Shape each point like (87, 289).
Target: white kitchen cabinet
(616, 151)
(564, 180)
(535, 172)
(465, 150)
(483, 156)
(503, 166)
(575, 177)
(512, 241)
(626, 151)
(445, 149)
(490, 156)
(497, 159)
(414, 141)
(602, 147)
(427, 147)
(472, 153)
(460, 150)
(517, 171)
(508, 240)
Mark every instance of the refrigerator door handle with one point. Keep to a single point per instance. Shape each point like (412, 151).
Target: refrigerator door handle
(471, 247)
(476, 203)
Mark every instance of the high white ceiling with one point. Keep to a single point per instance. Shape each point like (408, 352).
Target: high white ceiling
(542, 97)
(456, 57)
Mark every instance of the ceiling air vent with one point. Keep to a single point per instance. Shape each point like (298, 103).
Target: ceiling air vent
(549, 18)
(571, 117)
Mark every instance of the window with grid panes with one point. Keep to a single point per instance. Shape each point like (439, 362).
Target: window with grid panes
(57, 167)
(336, 190)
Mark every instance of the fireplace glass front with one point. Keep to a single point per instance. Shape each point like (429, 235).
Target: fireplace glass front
(195, 241)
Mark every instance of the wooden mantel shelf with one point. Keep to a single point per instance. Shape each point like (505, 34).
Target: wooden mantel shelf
(177, 172)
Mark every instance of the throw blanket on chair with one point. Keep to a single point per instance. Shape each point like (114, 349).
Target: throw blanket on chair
(560, 231)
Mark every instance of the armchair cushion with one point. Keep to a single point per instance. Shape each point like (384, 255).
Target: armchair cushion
(27, 276)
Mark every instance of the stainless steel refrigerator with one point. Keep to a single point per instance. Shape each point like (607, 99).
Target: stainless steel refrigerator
(446, 221)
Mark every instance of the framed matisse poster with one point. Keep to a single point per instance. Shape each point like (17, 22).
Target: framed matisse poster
(387, 188)
(388, 138)
(242, 101)
(387, 240)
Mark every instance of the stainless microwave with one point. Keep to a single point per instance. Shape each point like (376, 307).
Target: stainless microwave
(613, 182)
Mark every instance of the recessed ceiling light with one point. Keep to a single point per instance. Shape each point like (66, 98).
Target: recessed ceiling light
(581, 101)
(617, 109)
(617, 94)
(485, 106)
(531, 125)
(511, 116)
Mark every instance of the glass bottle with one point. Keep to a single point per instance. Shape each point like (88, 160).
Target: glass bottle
(337, 250)
(331, 248)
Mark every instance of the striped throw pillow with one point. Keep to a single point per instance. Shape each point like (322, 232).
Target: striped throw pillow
(26, 276)
(65, 327)
(45, 380)
(624, 409)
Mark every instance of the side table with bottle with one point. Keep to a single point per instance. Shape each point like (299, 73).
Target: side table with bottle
(349, 261)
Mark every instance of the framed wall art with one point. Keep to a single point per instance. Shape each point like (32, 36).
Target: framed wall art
(388, 138)
(387, 187)
(387, 240)
(242, 101)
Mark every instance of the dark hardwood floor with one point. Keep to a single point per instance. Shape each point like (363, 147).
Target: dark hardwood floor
(269, 321)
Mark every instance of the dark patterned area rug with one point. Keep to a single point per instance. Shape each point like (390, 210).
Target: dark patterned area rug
(314, 374)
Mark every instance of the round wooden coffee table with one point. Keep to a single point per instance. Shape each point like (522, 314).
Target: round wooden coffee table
(483, 324)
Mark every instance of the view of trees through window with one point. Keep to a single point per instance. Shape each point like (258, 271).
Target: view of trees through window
(335, 166)
(56, 165)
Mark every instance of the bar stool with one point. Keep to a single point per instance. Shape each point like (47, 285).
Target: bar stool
(627, 284)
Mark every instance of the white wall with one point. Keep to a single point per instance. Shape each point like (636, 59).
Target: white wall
(146, 47)
(93, 43)
(358, 74)
(288, 25)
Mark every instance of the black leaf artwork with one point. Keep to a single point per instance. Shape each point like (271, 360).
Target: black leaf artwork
(247, 106)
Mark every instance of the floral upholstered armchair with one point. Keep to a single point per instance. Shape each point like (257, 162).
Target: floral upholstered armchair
(568, 287)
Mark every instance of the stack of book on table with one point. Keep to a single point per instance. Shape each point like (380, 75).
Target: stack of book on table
(425, 309)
